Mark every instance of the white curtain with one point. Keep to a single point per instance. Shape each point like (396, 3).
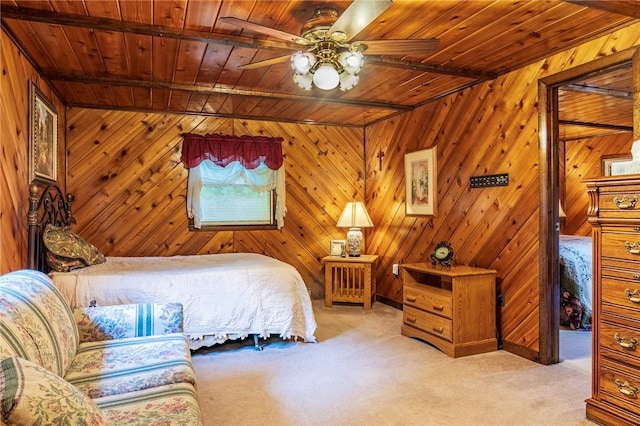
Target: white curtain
(261, 178)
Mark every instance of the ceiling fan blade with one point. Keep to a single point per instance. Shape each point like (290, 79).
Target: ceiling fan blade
(358, 16)
(265, 63)
(264, 30)
(398, 47)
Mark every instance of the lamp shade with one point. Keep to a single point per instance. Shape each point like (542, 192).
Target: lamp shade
(355, 215)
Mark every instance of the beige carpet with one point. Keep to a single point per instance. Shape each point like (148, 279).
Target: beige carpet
(363, 372)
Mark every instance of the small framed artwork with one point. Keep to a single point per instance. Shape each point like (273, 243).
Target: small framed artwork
(43, 137)
(609, 163)
(420, 179)
(337, 247)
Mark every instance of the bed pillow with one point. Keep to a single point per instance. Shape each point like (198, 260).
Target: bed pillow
(67, 250)
(32, 395)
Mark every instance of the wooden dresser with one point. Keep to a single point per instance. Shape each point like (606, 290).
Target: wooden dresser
(614, 213)
(454, 308)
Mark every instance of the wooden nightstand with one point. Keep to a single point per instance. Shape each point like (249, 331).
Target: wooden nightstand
(350, 279)
(454, 308)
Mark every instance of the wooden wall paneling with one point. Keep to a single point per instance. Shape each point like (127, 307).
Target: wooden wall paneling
(500, 117)
(14, 160)
(490, 128)
(324, 169)
(584, 160)
(386, 191)
(509, 152)
(145, 181)
(139, 208)
(519, 287)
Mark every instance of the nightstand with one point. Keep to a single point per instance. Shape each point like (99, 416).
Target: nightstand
(453, 308)
(350, 279)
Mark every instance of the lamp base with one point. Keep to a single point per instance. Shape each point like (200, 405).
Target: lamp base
(354, 241)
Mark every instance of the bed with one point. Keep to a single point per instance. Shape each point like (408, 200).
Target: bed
(575, 281)
(225, 296)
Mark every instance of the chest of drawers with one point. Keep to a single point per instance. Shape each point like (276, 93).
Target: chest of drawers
(454, 309)
(614, 213)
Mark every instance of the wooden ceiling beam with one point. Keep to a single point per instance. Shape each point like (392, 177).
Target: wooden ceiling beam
(107, 24)
(621, 7)
(583, 88)
(436, 69)
(596, 125)
(206, 89)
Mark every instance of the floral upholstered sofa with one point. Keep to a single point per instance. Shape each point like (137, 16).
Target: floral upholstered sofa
(111, 365)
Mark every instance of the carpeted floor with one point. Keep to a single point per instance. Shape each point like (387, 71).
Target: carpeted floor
(363, 372)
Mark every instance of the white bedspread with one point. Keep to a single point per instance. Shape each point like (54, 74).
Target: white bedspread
(224, 296)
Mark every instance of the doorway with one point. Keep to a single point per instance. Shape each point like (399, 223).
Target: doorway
(551, 147)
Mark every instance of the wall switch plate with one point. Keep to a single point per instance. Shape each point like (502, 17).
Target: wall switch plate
(395, 269)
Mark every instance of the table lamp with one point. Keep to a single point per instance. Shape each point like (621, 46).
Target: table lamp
(354, 216)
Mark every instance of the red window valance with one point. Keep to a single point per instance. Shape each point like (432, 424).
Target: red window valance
(250, 151)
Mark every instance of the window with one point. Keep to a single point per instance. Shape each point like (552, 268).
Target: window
(236, 204)
(243, 191)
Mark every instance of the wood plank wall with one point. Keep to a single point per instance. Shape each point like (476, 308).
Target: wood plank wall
(487, 129)
(130, 186)
(124, 169)
(583, 159)
(14, 169)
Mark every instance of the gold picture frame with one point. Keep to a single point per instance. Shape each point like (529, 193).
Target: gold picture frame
(43, 137)
(420, 171)
(337, 247)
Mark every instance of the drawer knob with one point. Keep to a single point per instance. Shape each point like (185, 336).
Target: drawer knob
(411, 298)
(626, 342)
(412, 320)
(632, 248)
(438, 307)
(636, 277)
(626, 389)
(633, 296)
(439, 330)
(625, 203)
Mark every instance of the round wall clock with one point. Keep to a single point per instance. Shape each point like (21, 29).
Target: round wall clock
(442, 254)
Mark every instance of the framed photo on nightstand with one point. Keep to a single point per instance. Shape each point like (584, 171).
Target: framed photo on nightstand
(337, 247)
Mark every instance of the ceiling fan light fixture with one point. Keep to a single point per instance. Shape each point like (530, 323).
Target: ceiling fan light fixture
(352, 62)
(326, 77)
(348, 81)
(301, 62)
(304, 81)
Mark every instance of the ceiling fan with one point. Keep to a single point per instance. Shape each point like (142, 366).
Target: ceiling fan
(331, 59)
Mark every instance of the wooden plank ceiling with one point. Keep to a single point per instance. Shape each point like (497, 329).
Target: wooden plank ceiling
(179, 56)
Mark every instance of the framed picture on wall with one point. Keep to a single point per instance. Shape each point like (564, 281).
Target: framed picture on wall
(420, 171)
(43, 137)
(337, 247)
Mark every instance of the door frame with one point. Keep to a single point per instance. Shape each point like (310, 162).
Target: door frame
(549, 144)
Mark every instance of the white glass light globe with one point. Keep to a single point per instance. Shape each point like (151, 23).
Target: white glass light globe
(351, 61)
(348, 81)
(304, 81)
(301, 62)
(326, 77)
